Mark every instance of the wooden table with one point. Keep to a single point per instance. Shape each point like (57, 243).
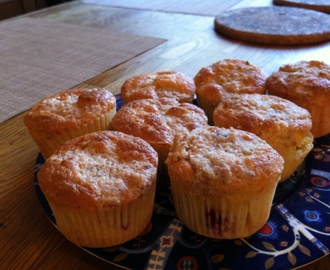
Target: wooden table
(27, 239)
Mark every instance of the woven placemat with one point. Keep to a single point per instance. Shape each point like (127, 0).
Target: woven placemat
(40, 57)
(195, 7)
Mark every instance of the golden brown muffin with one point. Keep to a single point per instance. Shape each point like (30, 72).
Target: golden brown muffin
(166, 84)
(223, 181)
(306, 83)
(280, 122)
(227, 76)
(69, 114)
(157, 121)
(101, 187)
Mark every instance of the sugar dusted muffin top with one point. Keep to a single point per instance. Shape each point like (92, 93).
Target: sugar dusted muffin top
(265, 116)
(166, 84)
(302, 81)
(158, 120)
(98, 170)
(213, 161)
(69, 109)
(306, 83)
(233, 75)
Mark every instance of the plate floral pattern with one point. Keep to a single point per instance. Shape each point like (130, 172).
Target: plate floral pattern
(297, 232)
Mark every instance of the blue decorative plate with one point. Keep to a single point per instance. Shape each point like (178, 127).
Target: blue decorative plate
(297, 232)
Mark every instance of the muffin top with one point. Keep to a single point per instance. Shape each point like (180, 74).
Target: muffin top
(158, 120)
(98, 170)
(159, 85)
(69, 109)
(219, 161)
(303, 82)
(233, 75)
(267, 116)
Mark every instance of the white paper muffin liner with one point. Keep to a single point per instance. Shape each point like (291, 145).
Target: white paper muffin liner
(47, 146)
(115, 225)
(293, 155)
(223, 217)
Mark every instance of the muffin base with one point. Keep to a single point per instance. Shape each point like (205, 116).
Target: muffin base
(208, 107)
(223, 218)
(48, 145)
(294, 156)
(113, 226)
(320, 118)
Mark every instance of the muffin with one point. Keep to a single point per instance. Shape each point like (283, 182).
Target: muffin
(306, 83)
(101, 187)
(223, 181)
(227, 76)
(157, 121)
(166, 84)
(67, 115)
(280, 122)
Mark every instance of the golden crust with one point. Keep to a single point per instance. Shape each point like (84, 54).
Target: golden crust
(265, 115)
(158, 120)
(68, 110)
(167, 84)
(280, 122)
(227, 76)
(306, 83)
(223, 181)
(214, 161)
(99, 170)
(233, 75)
(210, 94)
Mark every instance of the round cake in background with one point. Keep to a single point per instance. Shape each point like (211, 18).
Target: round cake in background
(67, 115)
(157, 121)
(281, 123)
(101, 187)
(306, 83)
(223, 181)
(319, 5)
(165, 84)
(275, 25)
(227, 76)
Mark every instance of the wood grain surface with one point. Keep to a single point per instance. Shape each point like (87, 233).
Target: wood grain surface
(27, 238)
